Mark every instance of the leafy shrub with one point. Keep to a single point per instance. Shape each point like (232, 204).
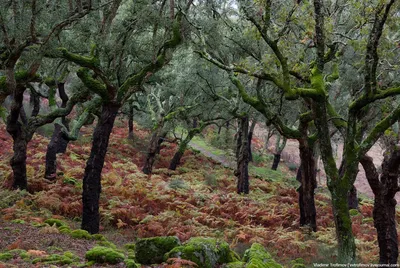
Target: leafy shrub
(258, 158)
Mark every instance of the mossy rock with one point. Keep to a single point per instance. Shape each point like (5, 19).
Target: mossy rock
(129, 263)
(104, 255)
(107, 244)
(79, 233)
(130, 246)
(151, 250)
(5, 256)
(236, 264)
(57, 222)
(354, 212)
(205, 252)
(258, 257)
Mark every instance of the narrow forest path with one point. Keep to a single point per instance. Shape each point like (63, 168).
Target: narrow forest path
(222, 159)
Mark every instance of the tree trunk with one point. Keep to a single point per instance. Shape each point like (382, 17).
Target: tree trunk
(17, 132)
(130, 125)
(242, 172)
(384, 212)
(307, 176)
(178, 155)
(56, 145)
(352, 198)
(275, 163)
(250, 137)
(94, 166)
(344, 233)
(154, 149)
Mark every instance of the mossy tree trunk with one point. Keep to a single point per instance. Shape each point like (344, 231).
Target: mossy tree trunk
(154, 148)
(242, 154)
(130, 121)
(384, 213)
(92, 177)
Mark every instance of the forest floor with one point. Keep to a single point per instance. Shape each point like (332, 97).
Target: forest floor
(198, 199)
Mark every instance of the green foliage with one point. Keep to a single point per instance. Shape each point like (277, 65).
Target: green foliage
(100, 254)
(99, 237)
(298, 263)
(64, 229)
(81, 234)
(257, 256)
(211, 180)
(5, 256)
(205, 252)
(354, 212)
(152, 250)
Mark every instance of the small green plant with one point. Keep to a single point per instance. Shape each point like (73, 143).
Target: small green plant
(258, 158)
(83, 234)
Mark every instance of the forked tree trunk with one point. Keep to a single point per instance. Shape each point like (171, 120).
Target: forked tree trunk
(352, 198)
(242, 171)
(154, 149)
(94, 166)
(57, 144)
(307, 176)
(384, 212)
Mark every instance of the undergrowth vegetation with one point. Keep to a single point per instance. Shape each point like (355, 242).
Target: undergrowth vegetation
(189, 202)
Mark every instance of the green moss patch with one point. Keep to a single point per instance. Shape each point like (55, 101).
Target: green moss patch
(57, 222)
(82, 234)
(104, 255)
(67, 258)
(257, 257)
(131, 264)
(5, 256)
(152, 250)
(205, 252)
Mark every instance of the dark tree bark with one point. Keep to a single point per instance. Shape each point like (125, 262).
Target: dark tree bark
(275, 163)
(242, 154)
(307, 176)
(58, 143)
(18, 133)
(130, 125)
(94, 166)
(250, 137)
(384, 213)
(352, 198)
(154, 148)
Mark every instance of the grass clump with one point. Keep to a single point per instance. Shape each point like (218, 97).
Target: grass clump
(100, 254)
